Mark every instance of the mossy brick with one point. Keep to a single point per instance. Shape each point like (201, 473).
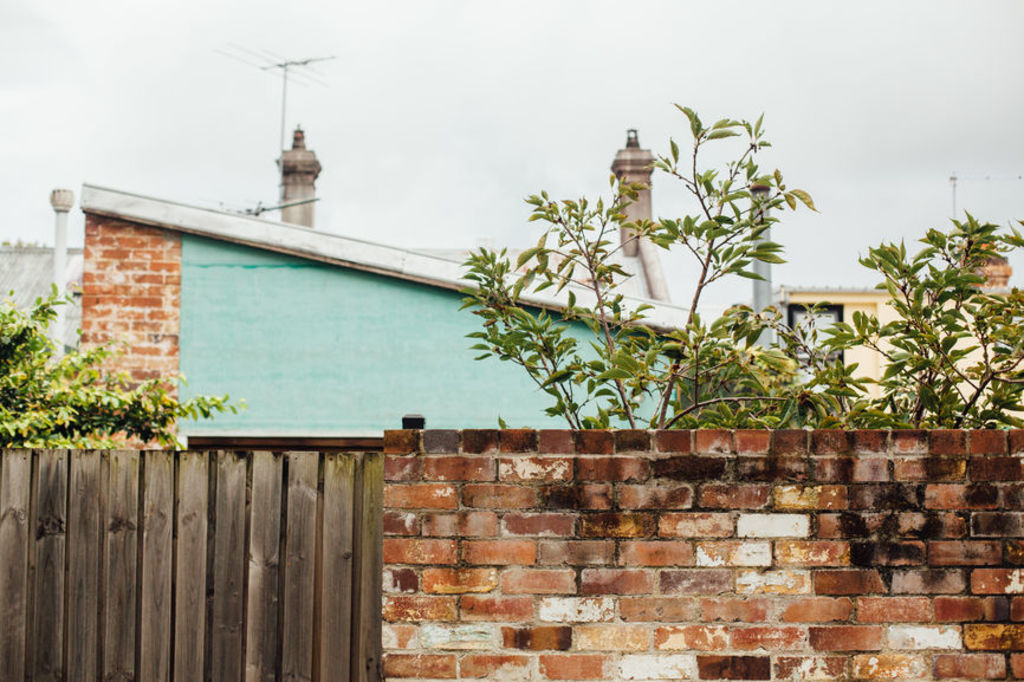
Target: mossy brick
(1015, 441)
(713, 441)
(678, 441)
(772, 468)
(518, 440)
(480, 441)
(577, 496)
(889, 496)
(948, 442)
(629, 440)
(401, 441)
(997, 468)
(987, 442)
(961, 496)
(790, 442)
(598, 442)
(997, 524)
(888, 553)
(929, 469)
(994, 637)
(555, 441)
(829, 442)
(690, 467)
(438, 441)
(869, 441)
(723, 667)
(617, 525)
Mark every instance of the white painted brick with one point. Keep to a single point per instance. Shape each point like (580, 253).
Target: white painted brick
(436, 636)
(773, 526)
(773, 582)
(742, 554)
(658, 667)
(577, 609)
(536, 468)
(925, 637)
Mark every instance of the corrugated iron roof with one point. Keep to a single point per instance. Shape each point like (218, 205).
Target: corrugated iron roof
(26, 273)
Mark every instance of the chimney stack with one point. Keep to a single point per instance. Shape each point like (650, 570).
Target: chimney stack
(633, 165)
(299, 171)
(996, 271)
(61, 200)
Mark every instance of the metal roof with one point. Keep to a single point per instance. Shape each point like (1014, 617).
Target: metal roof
(304, 242)
(26, 273)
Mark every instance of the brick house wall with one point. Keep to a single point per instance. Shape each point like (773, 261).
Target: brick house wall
(131, 293)
(711, 555)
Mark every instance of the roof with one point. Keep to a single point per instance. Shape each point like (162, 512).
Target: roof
(304, 242)
(27, 271)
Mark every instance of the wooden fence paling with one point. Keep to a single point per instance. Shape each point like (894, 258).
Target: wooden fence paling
(110, 569)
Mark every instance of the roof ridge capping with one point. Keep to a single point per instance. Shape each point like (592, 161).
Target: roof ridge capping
(335, 249)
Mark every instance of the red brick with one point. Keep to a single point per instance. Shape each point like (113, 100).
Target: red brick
(930, 469)
(546, 524)
(869, 441)
(691, 637)
(576, 552)
(887, 553)
(767, 637)
(655, 553)
(555, 441)
(657, 609)
(459, 580)
(909, 441)
(437, 666)
(829, 442)
(928, 581)
(948, 442)
(538, 581)
(627, 440)
(695, 525)
(420, 496)
(400, 523)
(493, 666)
(535, 468)
(824, 667)
(598, 442)
(713, 441)
(397, 579)
(846, 638)
(616, 581)
(592, 496)
(574, 666)
(680, 441)
(812, 553)
(456, 468)
(960, 609)
(416, 608)
(961, 496)
(690, 467)
(965, 553)
(461, 524)
(718, 667)
(401, 441)
(498, 496)
(789, 441)
(728, 609)
(518, 440)
(988, 442)
(722, 496)
(817, 610)
(419, 551)
(852, 469)
(476, 607)
(773, 468)
(894, 609)
(702, 581)
(606, 637)
(401, 468)
(538, 638)
(499, 552)
(970, 666)
(613, 469)
(480, 441)
(441, 441)
(1017, 666)
(810, 497)
(997, 580)
(647, 496)
(617, 525)
(752, 441)
(848, 581)
(997, 468)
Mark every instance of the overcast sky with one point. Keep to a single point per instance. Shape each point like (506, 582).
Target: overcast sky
(439, 117)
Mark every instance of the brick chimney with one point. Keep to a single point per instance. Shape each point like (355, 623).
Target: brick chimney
(299, 171)
(996, 271)
(633, 165)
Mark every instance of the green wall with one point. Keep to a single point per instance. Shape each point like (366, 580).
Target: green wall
(316, 349)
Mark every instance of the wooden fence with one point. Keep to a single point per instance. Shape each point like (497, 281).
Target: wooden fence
(157, 565)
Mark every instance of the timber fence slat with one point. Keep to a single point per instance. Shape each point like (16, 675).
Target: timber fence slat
(190, 568)
(261, 641)
(299, 571)
(85, 538)
(163, 565)
(155, 594)
(49, 526)
(15, 473)
(335, 588)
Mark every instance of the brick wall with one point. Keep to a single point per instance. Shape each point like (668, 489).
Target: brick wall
(131, 293)
(751, 555)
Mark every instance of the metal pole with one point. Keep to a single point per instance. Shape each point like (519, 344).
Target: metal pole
(762, 293)
(61, 200)
(284, 100)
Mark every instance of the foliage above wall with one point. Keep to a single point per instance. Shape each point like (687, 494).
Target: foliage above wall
(955, 353)
(71, 401)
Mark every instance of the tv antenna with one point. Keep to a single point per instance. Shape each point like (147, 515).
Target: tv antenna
(260, 208)
(954, 179)
(298, 70)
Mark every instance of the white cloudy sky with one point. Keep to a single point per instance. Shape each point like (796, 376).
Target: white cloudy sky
(439, 117)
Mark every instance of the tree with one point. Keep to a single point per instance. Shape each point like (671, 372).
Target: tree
(70, 401)
(954, 355)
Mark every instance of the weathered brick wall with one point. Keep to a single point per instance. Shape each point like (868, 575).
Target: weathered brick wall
(632, 555)
(131, 293)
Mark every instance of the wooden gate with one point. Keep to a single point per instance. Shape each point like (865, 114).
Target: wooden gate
(159, 565)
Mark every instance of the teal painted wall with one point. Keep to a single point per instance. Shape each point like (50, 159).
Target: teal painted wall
(314, 349)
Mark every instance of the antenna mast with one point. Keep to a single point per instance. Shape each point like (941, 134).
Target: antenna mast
(284, 66)
(954, 179)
